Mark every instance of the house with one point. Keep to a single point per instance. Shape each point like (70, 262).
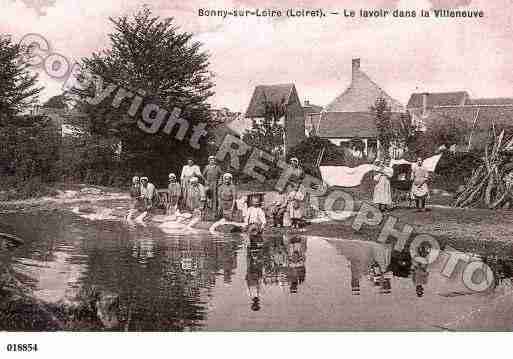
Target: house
(350, 118)
(279, 99)
(361, 94)
(311, 113)
(353, 128)
(477, 115)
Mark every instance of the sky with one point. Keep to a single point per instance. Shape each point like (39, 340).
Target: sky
(402, 55)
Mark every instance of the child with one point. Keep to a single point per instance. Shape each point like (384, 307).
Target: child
(295, 207)
(278, 210)
(255, 216)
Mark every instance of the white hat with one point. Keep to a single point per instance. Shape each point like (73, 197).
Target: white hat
(171, 175)
(144, 178)
(211, 157)
(227, 175)
(294, 159)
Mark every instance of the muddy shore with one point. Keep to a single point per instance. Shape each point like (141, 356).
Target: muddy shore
(490, 231)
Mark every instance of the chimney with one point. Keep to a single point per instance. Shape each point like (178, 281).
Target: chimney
(307, 102)
(424, 103)
(355, 67)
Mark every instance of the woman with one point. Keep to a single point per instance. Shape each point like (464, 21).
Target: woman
(382, 192)
(135, 190)
(419, 188)
(196, 196)
(189, 171)
(136, 202)
(227, 196)
(174, 191)
(148, 194)
(297, 171)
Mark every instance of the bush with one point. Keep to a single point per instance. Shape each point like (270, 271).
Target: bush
(454, 169)
(31, 188)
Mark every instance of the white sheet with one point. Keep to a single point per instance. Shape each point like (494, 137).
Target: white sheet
(352, 176)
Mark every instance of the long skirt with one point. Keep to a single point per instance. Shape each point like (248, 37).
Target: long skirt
(295, 209)
(211, 192)
(226, 210)
(382, 191)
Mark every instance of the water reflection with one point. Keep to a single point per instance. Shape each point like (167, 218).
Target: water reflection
(102, 275)
(370, 260)
(275, 261)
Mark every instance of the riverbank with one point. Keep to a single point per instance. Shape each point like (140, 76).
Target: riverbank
(489, 230)
(65, 194)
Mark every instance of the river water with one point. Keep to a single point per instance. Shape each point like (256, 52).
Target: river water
(197, 281)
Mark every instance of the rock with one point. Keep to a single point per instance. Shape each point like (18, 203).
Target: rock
(91, 190)
(86, 210)
(9, 240)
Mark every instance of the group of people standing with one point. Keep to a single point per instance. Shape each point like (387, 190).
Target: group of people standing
(383, 191)
(213, 190)
(217, 193)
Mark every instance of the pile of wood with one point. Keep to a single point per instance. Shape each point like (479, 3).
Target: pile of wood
(491, 184)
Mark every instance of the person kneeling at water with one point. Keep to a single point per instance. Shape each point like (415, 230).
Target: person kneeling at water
(278, 209)
(148, 194)
(136, 203)
(174, 191)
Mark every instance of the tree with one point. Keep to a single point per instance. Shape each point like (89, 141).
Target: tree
(150, 54)
(445, 132)
(267, 134)
(384, 125)
(59, 102)
(18, 90)
(406, 132)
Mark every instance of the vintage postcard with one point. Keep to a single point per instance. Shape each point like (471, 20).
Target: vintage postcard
(242, 165)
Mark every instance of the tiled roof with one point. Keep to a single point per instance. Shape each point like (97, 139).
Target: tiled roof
(276, 94)
(438, 99)
(310, 108)
(484, 116)
(349, 125)
(361, 95)
(491, 101)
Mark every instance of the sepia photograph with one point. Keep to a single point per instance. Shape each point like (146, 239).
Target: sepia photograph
(255, 166)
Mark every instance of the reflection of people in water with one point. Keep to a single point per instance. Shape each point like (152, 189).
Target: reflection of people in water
(275, 264)
(400, 263)
(254, 275)
(377, 276)
(229, 261)
(355, 283)
(420, 270)
(296, 255)
(420, 277)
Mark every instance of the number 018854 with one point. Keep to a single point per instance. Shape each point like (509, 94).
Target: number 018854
(22, 347)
